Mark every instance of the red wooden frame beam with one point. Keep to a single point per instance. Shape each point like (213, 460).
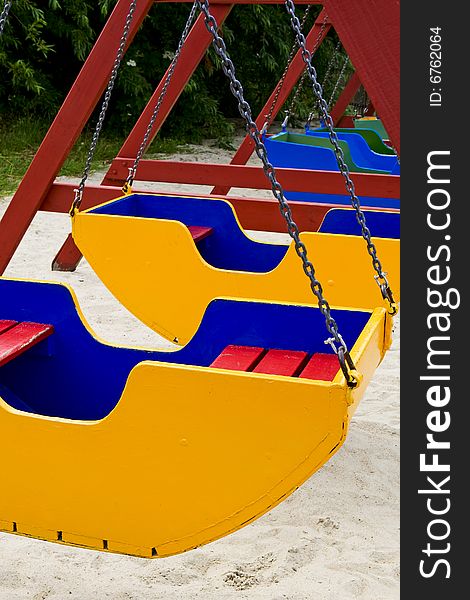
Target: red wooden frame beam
(247, 176)
(370, 32)
(253, 213)
(313, 40)
(67, 126)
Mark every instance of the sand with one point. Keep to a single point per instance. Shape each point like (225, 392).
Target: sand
(336, 537)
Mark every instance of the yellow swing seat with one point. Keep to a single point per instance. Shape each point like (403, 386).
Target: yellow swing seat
(142, 249)
(151, 453)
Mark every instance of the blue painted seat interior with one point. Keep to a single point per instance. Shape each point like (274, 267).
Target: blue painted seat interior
(361, 153)
(372, 138)
(74, 376)
(226, 248)
(367, 201)
(380, 224)
(302, 151)
(291, 151)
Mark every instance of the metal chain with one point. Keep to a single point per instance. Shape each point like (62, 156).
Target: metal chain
(338, 81)
(336, 341)
(381, 277)
(331, 62)
(104, 107)
(300, 85)
(171, 69)
(361, 102)
(280, 85)
(4, 14)
(329, 68)
(366, 102)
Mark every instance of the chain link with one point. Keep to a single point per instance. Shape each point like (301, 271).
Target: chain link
(104, 107)
(361, 103)
(244, 108)
(326, 77)
(381, 276)
(4, 14)
(338, 81)
(300, 85)
(171, 69)
(280, 85)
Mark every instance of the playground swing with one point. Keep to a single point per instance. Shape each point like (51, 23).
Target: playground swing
(203, 240)
(288, 149)
(154, 453)
(373, 140)
(364, 156)
(363, 149)
(360, 144)
(313, 150)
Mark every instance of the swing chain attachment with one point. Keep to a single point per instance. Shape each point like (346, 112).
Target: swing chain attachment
(351, 374)
(4, 14)
(127, 187)
(104, 107)
(381, 277)
(345, 360)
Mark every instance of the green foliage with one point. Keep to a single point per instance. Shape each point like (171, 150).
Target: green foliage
(45, 43)
(20, 138)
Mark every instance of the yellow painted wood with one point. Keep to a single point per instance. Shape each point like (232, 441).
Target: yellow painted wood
(169, 470)
(152, 266)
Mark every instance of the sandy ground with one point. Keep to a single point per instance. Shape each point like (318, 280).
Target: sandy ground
(336, 537)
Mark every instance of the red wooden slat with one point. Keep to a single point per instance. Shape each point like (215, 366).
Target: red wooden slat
(238, 358)
(379, 185)
(282, 362)
(20, 338)
(199, 233)
(6, 325)
(321, 366)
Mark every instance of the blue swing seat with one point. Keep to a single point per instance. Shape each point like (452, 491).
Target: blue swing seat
(151, 453)
(42, 381)
(285, 151)
(361, 153)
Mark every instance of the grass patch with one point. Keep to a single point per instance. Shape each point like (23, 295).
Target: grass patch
(19, 140)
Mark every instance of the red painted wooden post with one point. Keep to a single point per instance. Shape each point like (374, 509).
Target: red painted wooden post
(370, 32)
(297, 66)
(64, 131)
